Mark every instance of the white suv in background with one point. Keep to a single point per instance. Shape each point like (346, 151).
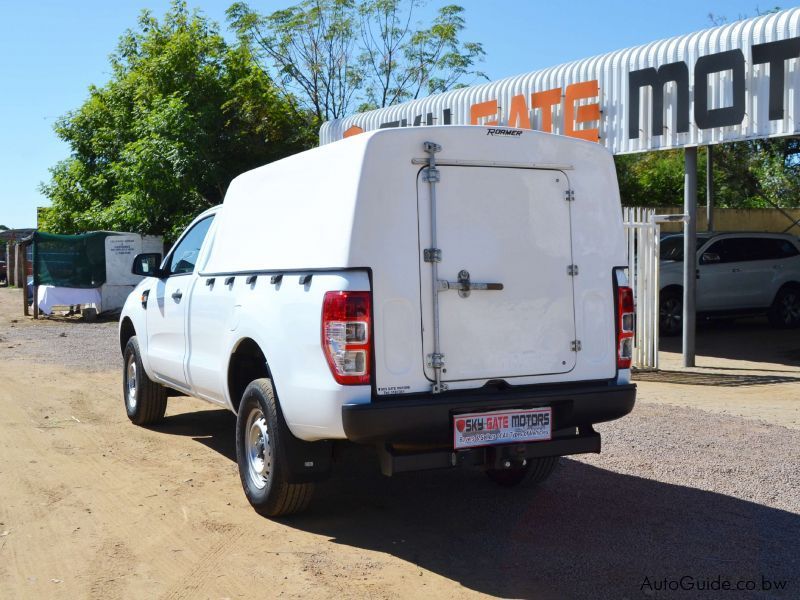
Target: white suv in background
(738, 274)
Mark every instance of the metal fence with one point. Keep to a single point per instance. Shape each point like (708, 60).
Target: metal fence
(643, 236)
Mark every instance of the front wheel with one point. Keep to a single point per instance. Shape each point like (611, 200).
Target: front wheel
(785, 310)
(261, 452)
(535, 470)
(145, 400)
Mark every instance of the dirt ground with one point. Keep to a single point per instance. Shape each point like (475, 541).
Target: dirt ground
(702, 479)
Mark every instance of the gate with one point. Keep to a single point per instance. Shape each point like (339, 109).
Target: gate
(643, 237)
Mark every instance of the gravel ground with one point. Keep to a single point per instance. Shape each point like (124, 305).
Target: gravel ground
(67, 341)
(677, 492)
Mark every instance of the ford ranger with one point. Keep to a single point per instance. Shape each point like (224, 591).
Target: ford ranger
(448, 296)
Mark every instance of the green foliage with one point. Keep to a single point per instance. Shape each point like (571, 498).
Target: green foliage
(183, 113)
(3, 228)
(751, 174)
(337, 55)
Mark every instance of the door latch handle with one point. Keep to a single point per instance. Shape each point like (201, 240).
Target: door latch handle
(464, 286)
(735, 270)
(177, 295)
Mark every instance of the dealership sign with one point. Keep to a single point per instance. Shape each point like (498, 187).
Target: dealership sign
(734, 82)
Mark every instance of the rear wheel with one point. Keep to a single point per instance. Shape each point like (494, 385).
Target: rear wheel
(785, 310)
(670, 312)
(145, 400)
(536, 470)
(261, 451)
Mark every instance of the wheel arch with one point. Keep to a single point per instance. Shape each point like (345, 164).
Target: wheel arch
(789, 285)
(247, 362)
(126, 332)
(673, 287)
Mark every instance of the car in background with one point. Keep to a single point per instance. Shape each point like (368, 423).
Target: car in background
(738, 274)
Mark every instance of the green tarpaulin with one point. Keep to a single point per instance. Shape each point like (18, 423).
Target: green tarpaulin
(75, 261)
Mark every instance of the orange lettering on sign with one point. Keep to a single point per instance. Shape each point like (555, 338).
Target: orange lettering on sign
(518, 113)
(585, 113)
(481, 110)
(354, 130)
(546, 101)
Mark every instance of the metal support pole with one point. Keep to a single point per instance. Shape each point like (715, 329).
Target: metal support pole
(22, 276)
(11, 264)
(710, 188)
(689, 252)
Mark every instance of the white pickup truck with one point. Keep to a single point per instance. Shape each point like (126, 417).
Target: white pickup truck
(450, 295)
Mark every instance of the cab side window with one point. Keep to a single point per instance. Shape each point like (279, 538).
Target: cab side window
(184, 255)
(783, 249)
(729, 250)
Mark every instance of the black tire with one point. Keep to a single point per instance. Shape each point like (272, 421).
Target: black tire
(785, 310)
(145, 400)
(670, 312)
(261, 451)
(536, 471)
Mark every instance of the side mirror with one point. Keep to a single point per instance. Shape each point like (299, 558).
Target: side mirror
(147, 265)
(709, 258)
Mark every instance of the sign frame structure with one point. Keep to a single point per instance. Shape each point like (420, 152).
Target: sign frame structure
(728, 83)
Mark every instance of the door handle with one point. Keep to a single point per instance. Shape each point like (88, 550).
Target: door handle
(177, 295)
(735, 270)
(464, 286)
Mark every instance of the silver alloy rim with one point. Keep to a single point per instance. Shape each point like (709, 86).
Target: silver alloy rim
(791, 309)
(130, 397)
(671, 314)
(258, 450)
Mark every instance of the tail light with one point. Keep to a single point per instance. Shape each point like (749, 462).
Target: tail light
(345, 336)
(625, 325)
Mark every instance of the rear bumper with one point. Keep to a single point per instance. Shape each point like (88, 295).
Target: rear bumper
(427, 419)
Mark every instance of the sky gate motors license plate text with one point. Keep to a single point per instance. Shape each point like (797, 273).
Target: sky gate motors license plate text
(502, 427)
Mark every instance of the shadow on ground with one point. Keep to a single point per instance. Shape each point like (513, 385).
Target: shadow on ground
(587, 532)
(712, 379)
(212, 428)
(747, 339)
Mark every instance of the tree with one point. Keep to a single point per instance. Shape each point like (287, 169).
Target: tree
(337, 55)
(3, 228)
(749, 174)
(183, 113)
(401, 64)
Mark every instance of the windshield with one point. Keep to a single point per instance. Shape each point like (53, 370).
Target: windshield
(672, 247)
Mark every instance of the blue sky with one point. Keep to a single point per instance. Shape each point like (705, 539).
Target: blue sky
(51, 51)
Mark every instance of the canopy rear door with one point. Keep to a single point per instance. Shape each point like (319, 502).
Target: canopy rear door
(506, 226)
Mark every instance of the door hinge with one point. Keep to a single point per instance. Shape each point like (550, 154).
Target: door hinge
(436, 361)
(575, 346)
(572, 270)
(432, 255)
(569, 195)
(431, 147)
(431, 175)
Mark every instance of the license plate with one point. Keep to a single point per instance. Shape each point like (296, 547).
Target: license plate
(502, 427)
